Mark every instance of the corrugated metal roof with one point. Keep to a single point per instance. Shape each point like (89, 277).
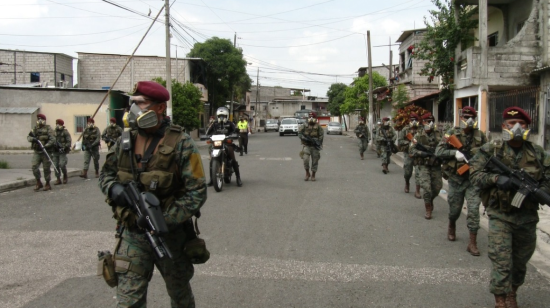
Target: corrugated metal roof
(28, 110)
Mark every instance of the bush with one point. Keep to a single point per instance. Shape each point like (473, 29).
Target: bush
(4, 164)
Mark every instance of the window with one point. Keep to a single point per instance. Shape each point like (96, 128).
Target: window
(402, 61)
(492, 39)
(80, 123)
(62, 77)
(252, 108)
(519, 26)
(35, 77)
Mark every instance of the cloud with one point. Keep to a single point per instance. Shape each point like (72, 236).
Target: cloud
(20, 14)
(361, 25)
(315, 52)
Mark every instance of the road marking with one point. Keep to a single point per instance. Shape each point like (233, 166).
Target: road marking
(276, 158)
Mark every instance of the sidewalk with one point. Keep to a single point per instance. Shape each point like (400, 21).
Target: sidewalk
(11, 179)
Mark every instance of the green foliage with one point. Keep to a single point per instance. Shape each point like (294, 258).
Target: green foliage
(297, 93)
(226, 69)
(443, 35)
(356, 95)
(4, 164)
(186, 104)
(336, 97)
(400, 96)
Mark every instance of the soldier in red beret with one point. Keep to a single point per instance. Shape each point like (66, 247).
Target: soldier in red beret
(385, 139)
(512, 220)
(312, 136)
(60, 150)
(91, 138)
(404, 141)
(111, 133)
(43, 133)
(165, 162)
(455, 158)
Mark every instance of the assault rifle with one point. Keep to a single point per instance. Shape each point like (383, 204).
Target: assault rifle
(60, 148)
(31, 134)
(433, 160)
(455, 142)
(149, 216)
(109, 141)
(521, 180)
(390, 145)
(314, 142)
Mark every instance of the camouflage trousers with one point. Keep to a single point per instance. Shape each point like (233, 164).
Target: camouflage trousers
(460, 189)
(363, 143)
(385, 155)
(94, 152)
(135, 251)
(510, 248)
(430, 180)
(60, 162)
(408, 168)
(41, 158)
(378, 150)
(315, 156)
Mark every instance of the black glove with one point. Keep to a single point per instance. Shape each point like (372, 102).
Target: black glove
(423, 154)
(118, 193)
(504, 183)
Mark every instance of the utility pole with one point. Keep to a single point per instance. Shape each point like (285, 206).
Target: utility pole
(391, 56)
(168, 59)
(257, 97)
(370, 83)
(231, 83)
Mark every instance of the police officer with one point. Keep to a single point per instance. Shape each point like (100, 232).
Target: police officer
(226, 127)
(455, 162)
(404, 143)
(385, 132)
(90, 142)
(60, 150)
(362, 133)
(44, 134)
(175, 177)
(429, 166)
(244, 130)
(314, 132)
(512, 230)
(113, 131)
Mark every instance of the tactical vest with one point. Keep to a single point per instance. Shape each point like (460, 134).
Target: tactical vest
(499, 199)
(311, 131)
(243, 126)
(61, 137)
(404, 143)
(42, 134)
(429, 141)
(470, 146)
(90, 135)
(112, 132)
(161, 176)
(389, 134)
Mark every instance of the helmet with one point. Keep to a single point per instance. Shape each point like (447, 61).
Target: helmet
(222, 114)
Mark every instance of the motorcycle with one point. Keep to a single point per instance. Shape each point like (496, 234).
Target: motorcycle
(221, 165)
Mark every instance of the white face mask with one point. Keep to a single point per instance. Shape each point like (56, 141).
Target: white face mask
(59, 127)
(470, 123)
(429, 126)
(137, 118)
(40, 122)
(91, 125)
(413, 124)
(516, 133)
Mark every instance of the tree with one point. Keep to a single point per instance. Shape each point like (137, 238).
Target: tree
(356, 95)
(400, 96)
(336, 96)
(226, 69)
(186, 104)
(442, 37)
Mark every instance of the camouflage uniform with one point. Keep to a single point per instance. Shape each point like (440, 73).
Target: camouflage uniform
(46, 136)
(381, 142)
(377, 147)
(408, 163)
(177, 168)
(362, 133)
(315, 132)
(111, 133)
(91, 138)
(63, 137)
(512, 231)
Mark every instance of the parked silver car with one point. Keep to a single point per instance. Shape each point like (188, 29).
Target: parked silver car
(288, 126)
(334, 128)
(271, 124)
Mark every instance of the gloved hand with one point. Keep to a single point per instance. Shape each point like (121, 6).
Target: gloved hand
(504, 183)
(459, 156)
(119, 195)
(423, 154)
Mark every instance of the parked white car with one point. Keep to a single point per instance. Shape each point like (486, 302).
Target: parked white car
(334, 128)
(271, 124)
(288, 126)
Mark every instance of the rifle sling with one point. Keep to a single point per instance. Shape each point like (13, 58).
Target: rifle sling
(149, 152)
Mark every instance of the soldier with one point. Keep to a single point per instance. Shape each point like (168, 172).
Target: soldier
(512, 230)
(429, 166)
(362, 133)
(375, 131)
(404, 143)
(43, 133)
(113, 131)
(454, 161)
(90, 144)
(176, 179)
(312, 136)
(60, 150)
(385, 133)
(244, 131)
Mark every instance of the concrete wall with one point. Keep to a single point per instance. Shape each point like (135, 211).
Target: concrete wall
(14, 129)
(51, 66)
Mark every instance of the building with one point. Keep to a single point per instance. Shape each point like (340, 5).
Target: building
(30, 68)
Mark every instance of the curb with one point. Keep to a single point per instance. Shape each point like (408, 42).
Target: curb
(17, 184)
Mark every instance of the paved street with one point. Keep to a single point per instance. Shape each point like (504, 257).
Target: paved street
(350, 239)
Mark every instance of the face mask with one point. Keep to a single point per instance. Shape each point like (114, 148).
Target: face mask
(413, 124)
(40, 122)
(516, 133)
(222, 119)
(91, 125)
(429, 126)
(387, 123)
(311, 121)
(113, 124)
(470, 123)
(137, 118)
(59, 127)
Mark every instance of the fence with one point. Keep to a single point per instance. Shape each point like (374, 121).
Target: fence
(527, 99)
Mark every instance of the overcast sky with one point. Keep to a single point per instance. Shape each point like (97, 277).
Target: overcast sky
(306, 44)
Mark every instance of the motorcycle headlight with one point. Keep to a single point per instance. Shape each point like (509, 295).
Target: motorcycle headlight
(217, 143)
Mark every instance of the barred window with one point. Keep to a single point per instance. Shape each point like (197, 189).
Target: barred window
(525, 99)
(80, 123)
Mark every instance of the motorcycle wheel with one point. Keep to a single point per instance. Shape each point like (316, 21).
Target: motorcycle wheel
(217, 175)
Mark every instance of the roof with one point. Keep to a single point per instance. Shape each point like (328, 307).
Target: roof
(18, 110)
(39, 52)
(540, 70)
(416, 99)
(135, 56)
(408, 33)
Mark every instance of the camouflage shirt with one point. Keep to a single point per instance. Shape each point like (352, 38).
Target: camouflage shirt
(362, 131)
(45, 135)
(64, 138)
(390, 134)
(471, 143)
(112, 133)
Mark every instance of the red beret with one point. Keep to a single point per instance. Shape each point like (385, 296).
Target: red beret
(312, 115)
(90, 120)
(428, 116)
(112, 120)
(516, 113)
(41, 116)
(385, 119)
(60, 122)
(414, 116)
(469, 111)
(152, 90)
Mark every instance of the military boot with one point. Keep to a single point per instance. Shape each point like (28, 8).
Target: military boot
(96, 173)
(38, 185)
(472, 246)
(65, 178)
(362, 157)
(511, 301)
(385, 168)
(47, 186)
(58, 182)
(428, 207)
(451, 231)
(313, 176)
(417, 192)
(407, 186)
(500, 300)
(84, 174)
(307, 175)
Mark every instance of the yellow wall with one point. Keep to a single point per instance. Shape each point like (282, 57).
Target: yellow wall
(495, 23)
